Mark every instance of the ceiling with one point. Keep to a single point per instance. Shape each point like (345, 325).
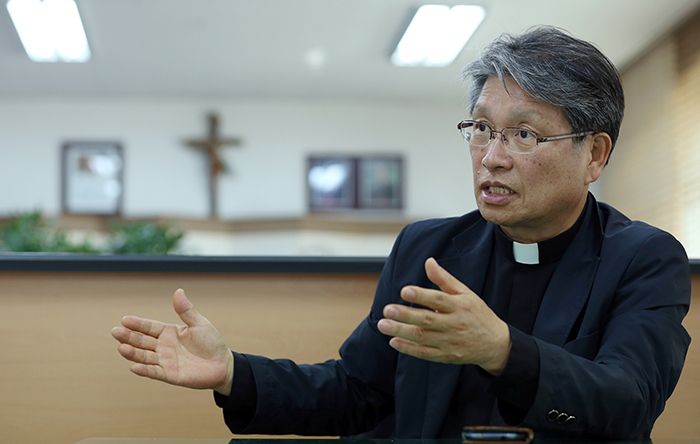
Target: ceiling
(300, 48)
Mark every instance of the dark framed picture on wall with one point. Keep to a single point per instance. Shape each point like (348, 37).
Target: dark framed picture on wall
(346, 183)
(380, 184)
(331, 183)
(92, 178)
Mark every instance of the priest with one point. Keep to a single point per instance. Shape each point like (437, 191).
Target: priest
(545, 308)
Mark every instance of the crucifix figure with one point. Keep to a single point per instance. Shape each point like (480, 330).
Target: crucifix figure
(211, 146)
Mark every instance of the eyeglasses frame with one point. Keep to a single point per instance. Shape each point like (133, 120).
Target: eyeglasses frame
(538, 139)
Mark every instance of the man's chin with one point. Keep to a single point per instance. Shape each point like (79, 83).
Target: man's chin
(495, 214)
(507, 220)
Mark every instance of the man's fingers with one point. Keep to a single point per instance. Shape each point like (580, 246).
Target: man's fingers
(148, 371)
(135, 339)
(415, 316)
(440, 277)
(138, 355)
(407, 332)
(145, 326)
(440, 301)
(121, 334)
(185, 309)
(437, 300)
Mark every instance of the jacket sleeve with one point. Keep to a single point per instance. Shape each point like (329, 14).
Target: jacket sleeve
(614, 382)
(341, 397)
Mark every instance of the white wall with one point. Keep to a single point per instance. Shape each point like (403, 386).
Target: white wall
(164, 177)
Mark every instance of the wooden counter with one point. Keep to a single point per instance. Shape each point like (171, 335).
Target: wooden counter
(62, 380)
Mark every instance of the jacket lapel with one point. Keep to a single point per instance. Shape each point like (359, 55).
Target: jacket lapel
(469, 267)
(571, 283)
(564, 299)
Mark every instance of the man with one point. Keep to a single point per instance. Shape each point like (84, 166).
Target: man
(543, 309)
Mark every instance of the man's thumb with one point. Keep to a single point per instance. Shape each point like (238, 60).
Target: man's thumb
(184, 308)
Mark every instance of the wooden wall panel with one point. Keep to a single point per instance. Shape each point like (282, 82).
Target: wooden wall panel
(62, 380)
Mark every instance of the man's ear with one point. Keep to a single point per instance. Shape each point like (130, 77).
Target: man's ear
(599, 152)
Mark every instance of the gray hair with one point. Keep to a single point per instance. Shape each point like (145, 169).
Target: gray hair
(557, 68)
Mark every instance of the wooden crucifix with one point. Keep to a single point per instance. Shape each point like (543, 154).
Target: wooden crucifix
(211, 146)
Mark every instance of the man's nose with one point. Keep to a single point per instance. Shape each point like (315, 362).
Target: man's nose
(497, 155)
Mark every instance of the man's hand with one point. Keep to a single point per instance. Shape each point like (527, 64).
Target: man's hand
(460, 328)
(193, 355)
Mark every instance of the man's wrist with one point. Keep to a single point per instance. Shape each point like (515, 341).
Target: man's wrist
(225, 388)
(501, 353)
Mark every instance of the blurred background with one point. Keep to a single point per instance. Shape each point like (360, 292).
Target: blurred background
(318, 144)
(271, 128)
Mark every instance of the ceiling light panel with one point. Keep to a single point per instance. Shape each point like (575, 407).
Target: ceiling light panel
(50, 30)
(437, 34)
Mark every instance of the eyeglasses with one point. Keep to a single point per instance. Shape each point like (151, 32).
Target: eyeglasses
(516, 140)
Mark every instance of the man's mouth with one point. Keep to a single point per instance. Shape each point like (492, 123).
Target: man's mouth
(500, 190)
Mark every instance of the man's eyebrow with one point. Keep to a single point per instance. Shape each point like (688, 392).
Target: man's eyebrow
(480, 109)
(528, 115)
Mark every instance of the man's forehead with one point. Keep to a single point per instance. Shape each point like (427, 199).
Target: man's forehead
(520, 104)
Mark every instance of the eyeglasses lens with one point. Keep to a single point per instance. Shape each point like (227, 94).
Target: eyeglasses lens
(515, 139)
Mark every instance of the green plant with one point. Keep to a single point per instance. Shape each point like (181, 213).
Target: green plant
(30, 232)
(145, 238)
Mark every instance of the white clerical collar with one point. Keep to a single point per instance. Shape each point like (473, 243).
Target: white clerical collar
(528, 254)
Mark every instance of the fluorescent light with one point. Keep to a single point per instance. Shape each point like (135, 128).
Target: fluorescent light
(437, 34)
(50, 30)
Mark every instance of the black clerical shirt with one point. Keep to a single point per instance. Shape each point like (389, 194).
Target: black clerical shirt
(514, 291)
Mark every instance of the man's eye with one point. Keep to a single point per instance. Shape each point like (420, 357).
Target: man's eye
(481, 127)
(524, 134)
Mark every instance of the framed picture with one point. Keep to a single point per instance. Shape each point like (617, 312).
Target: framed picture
(337, 183)
(92, 179)
(331, 183)
(380, 184)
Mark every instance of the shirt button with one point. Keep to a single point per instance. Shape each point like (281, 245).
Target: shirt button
(552, 415)
(562, 418)
(570, 420)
